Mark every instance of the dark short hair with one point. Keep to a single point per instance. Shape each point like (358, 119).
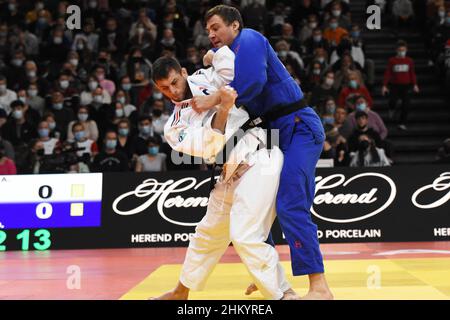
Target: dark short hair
(144, 117)
(227, 13)
(17, 103)
(401, 43)
(162, 67)
(77, 124)
(155, 140)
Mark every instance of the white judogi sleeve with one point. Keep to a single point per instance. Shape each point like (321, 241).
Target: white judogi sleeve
(190, 132)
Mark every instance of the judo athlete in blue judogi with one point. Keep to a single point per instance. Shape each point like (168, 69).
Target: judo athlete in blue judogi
(266, 89)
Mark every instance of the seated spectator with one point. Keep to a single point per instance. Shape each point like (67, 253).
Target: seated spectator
(125, 138)
(327, 110)
(403, 13)
(55, 130)
(7, 165)
(63, 115)
(352, 89)
(287, 56)
(287, 34)
(82, 142)
(308, 29)
(110, 159)
(122, 97)
(87, 95)
(346, 46)
(335, 147)
(374, 120)
(17, 129)
(101, 112)
(31, 115)
(34, 100)
(368, 155)
(333, 33)
(314, 76)
(326, 89)
(65, 84)
(443, 155)
(6, 96)
(335, 10)
(106, 84)
(90, 126)
(342, 68)
(316, 41)
(152, 161)
(159, 117)
(362, 127)
(192, 62)
(145, 132)
(340, 115)
(48, 142)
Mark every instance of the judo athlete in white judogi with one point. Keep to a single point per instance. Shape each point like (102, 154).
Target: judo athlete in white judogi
(241, 206)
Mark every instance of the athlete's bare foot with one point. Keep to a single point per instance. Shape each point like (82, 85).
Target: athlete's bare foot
(250, 289)
(290, 294)
(318, 295)
(179, 293)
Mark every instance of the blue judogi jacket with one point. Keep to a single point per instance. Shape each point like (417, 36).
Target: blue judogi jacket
(261, 80)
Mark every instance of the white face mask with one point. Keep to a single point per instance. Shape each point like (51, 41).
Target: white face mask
(140, 30)
(32, 92)
(64, 84)
(74, 62)
(98, 99)
(121, 100)
(329, 81)
(157, 95)
(336, 13)
(3, 88)
(92, 85)
(31, 74)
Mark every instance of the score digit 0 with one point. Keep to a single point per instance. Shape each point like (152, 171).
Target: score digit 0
(44, 210)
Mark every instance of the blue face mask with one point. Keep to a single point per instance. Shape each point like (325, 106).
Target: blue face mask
(355, 34)
(126, 86)
(111, 144)
(57, 106)
(123, 132)
(333, 25)
(328, 120)
(330, 109)
(52, 125)
(79, 135)
(145, 130)
(361, 107)
(353, 84)
(43, 133)
(153, 151)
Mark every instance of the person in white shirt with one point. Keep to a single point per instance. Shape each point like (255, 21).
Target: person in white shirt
(6, 96)
(48, 142)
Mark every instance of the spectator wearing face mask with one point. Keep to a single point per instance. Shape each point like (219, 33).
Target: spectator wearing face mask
(17, 130)
(125, 138)
(90, 126)
(86, 42)
(87, 146)
(327, 110)
(374, 120)
(129, 109)
(106, 84)
(15, 71)
(7, 165)
(403, 13)
(308, 29)
(346, 46)
(335, 147)
(6, 96)
(192, 62)
(88, 94)
(55, 130)
(335, 10)
(102, 113)
(32, 116)
(168, 40)
(66, 86)
(333, 33)
(443, 154)
(63, 115)
(145, 131)
(326, 89)
(48, 142)
(159, 117)
(33, 78)
(368, 155)
(110, 159)
(153, 160)
(353, 88)
(55, 50)
(34, 100)
(314, 76)
(316, 41)
(113, 39)
(287, 56)
(399, 78)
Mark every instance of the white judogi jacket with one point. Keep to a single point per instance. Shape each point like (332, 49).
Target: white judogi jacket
(190, 132)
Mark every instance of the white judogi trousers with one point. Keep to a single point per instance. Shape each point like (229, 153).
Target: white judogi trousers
(241, 211)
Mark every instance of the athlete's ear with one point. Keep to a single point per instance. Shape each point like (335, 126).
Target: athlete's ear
(184, 73)
(235, 26)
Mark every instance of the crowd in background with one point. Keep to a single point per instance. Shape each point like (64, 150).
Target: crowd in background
(82, 100)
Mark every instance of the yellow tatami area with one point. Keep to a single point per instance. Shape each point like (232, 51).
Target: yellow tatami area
(365, 279)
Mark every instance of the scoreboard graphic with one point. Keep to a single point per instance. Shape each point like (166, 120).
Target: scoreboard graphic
(50, 201)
